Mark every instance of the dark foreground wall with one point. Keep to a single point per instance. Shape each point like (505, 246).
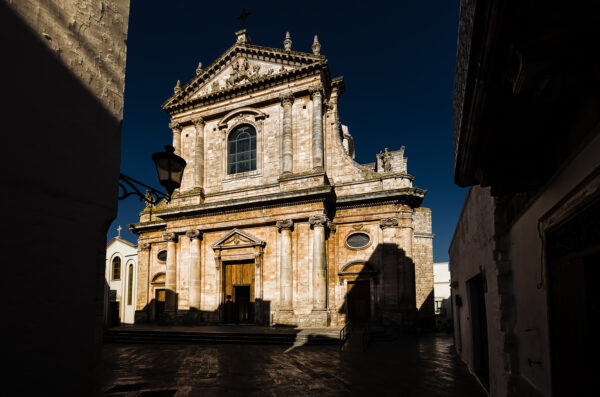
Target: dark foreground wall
(62, 79)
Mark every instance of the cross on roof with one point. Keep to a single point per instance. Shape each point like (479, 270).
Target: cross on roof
(243, 17)
(119, 230)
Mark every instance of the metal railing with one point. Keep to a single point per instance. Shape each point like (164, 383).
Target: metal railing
(345, 333)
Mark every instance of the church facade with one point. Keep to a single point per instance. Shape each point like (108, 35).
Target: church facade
(274, 222)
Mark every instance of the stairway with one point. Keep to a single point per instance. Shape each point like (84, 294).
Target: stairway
(298, 337)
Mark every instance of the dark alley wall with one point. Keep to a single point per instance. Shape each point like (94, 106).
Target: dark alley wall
(63, 80)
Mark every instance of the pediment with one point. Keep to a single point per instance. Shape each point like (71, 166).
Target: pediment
(240, 65)
(239, 71)
(237, 239)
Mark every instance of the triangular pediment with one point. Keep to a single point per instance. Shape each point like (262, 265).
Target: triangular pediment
(239, 65)
(236, 238)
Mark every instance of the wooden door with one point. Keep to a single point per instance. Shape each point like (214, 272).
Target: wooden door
(160, 297)
(238, 290)
(359, 301)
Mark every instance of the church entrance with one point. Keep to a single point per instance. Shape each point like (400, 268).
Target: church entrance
(359, 301)
(159, 303)
(238, 288)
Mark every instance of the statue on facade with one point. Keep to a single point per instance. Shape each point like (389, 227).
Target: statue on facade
(386, 159)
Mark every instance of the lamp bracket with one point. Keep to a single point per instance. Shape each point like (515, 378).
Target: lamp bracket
(151, 197)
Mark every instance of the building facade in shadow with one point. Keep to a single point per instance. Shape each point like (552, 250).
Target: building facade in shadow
(525, 253)
(273, 208)
(63, 78)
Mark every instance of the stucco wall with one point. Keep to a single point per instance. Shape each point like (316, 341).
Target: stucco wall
(471, 252)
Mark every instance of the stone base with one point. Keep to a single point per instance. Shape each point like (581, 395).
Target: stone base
(167, 318)
(141, 317)
(285, 317)
(317, 319)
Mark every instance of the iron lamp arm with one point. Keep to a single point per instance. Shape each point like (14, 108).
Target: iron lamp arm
(151, 197)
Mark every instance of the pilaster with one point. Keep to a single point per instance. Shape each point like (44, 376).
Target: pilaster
(176, 127)
(171, 273)
(287, 149)
(285, 264)
(199, 153)
(317, 127)
(195, 294)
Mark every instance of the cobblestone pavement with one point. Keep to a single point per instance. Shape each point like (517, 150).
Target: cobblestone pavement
(410, 366)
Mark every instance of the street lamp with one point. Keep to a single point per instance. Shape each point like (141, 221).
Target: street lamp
(169, 168)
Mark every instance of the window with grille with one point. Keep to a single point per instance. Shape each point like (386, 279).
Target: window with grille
(116, 268)
(241, 150)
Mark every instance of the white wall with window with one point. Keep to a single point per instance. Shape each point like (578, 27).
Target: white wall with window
(441, 295)
(120, 286)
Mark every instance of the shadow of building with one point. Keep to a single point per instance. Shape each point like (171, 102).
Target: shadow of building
(63, 111)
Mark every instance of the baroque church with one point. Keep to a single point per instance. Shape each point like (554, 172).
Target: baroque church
(274, 222)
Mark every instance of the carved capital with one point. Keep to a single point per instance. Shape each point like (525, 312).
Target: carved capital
(287, 98)
(175, 126)
(198, 122)
(388, 222)
(285, 224)
(318, 220)
(332, 226)
(145, 246)
(316, 92)
(170, 237)
(192, 234)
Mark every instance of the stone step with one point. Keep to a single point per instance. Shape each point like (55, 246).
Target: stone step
(114, 336)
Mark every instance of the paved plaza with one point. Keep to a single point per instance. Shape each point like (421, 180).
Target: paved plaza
(408, 366)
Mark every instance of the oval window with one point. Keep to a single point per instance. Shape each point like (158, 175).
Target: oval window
(358, 240)
(162, 256)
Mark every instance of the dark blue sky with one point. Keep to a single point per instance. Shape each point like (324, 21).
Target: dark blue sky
(397, 59)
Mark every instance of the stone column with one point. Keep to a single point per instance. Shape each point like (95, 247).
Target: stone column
(285, 264)
(199, 153)
(287, 150)
(319, 262)
(143, 284)
(195, 237)
(176, 127)
(171, 276)
(317, 127)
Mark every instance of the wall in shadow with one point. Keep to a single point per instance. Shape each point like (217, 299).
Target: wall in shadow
(383, 289)
(62, 150)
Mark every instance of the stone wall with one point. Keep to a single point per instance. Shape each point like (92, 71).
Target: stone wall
(63, 74)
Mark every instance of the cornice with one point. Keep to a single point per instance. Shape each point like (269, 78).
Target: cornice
(247, 203)
(173, 108)
(412, 196)
(142, 227)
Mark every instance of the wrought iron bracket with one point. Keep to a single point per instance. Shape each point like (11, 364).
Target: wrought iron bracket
(151, 196)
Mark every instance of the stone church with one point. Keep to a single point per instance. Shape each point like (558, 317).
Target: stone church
(274, 222)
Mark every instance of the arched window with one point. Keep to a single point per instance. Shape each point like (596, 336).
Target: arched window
(241, 150)
(130, 286)
(116, 268)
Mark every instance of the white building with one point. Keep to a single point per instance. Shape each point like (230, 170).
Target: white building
(120, 275)
(441, 295)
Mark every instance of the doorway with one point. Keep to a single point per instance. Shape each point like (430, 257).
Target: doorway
(159, 303)
(573, 252)
(238, 288)
(479, 333)
(359, 301)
